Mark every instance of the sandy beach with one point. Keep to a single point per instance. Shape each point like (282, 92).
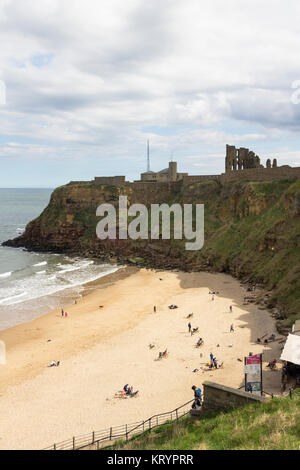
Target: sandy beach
(101, 349)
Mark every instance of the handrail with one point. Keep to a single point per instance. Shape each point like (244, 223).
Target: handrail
(85, 440)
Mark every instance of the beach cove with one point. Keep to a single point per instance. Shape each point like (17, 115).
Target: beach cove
(104, 344)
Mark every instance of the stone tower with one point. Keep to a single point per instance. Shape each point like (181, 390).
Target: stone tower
(173, 171)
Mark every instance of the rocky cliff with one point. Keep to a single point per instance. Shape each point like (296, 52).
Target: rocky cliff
(252, 231)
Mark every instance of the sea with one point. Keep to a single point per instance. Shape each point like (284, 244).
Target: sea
(32, 284)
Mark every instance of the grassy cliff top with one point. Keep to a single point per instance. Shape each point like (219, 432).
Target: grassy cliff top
(274, 425)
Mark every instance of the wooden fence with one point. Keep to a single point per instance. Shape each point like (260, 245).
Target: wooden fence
(105, 438)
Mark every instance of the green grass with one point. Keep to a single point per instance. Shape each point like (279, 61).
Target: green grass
(274, 425)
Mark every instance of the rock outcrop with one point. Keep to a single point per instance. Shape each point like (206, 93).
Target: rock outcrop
(252, 231)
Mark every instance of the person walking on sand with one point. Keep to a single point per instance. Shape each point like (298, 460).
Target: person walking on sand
(155, 309)
(62, 313)
(190, 327)
(232, 329)
(230, 308)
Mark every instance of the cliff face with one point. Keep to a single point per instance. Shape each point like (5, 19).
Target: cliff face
(252, 230)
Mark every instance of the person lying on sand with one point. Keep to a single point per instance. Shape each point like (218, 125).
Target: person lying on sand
(200, 342)
(127, 392)
(55, 364)
(194, 330)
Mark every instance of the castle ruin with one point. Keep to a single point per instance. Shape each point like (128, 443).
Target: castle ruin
(243, 159)
(240, 165)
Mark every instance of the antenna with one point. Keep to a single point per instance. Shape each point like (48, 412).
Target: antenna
(148, 157)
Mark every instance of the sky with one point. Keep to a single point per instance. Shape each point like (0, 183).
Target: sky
(85, 83)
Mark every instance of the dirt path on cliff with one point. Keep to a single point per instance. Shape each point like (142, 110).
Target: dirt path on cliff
(101, 349)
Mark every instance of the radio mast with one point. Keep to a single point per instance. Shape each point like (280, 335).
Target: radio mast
(148, 157)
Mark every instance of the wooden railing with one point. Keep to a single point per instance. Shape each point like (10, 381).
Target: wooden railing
(105, 438)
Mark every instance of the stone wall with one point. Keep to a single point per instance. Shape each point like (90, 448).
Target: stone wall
(199, 178)
(262, 174)
(113, 180)
(150, 186)
(218, 397)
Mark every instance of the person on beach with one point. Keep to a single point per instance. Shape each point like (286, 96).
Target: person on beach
(232, 329)
(62, 313)
(190, 327)
(211, 360)
(155, 309)
(230, 308)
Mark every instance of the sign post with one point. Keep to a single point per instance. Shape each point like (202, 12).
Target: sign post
(253, 374)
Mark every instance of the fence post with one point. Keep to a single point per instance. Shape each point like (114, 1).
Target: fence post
(156, 420)
(177, 414)
(93, 438)
(111, 434)
(73, 443)
(54, 447)
(143, 426)
(150, 424)
(126, 432)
